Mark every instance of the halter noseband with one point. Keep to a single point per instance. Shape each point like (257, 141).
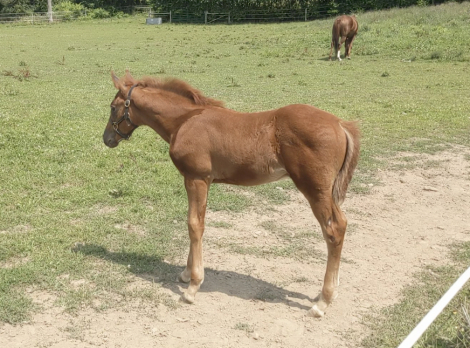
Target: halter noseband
(125, 117)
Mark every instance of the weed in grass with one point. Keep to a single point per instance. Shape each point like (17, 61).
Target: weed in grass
(62, 61)
(244, 327)
(435, 55)
(76, 328)
(271, 226)
(6, 91)
(221, 224)
(266, 295)
(233, 83)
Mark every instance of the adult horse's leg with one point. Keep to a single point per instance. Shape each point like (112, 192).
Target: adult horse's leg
(346, 48)
(197, 200)
(338, 50)
(331, 48)
(349, 42)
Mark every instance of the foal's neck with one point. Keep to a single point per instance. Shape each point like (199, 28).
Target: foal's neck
(166, 118)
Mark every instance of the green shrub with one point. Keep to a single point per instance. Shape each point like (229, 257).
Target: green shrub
(99, 13)
(70, 9)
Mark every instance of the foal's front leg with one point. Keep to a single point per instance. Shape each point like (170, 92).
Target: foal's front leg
(197, 200)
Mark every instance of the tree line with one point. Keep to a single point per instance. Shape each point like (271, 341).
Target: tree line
(322, 7)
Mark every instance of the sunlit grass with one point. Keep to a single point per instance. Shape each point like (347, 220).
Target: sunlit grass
(72, 209)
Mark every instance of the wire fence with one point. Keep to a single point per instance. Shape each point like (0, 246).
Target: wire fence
(38, 17)
(178, 16)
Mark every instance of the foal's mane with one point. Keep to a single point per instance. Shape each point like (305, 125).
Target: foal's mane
(176, 86)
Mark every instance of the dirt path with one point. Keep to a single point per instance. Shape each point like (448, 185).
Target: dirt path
(259, 298)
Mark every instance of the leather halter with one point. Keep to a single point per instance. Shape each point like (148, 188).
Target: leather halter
(125, 117)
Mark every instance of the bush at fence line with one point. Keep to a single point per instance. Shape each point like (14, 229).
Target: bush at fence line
(98, 13)
(120, 14)
(70, 10)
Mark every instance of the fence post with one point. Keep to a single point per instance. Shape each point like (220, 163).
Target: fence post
(305, 14)
(170, 16)
(205, 17)
(229, 18)
(414, 335)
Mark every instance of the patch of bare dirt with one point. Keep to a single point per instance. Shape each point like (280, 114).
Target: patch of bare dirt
(257, 290)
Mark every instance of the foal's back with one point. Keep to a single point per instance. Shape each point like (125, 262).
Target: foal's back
(247, 148)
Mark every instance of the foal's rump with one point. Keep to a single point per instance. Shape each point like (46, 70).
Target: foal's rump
(317, 148)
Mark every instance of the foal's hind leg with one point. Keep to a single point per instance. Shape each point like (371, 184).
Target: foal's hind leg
(194, 271)
(333, 224)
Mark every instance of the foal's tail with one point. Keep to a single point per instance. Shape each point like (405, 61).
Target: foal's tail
(351, 158)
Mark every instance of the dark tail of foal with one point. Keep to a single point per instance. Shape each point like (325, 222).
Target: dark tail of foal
(345, 174)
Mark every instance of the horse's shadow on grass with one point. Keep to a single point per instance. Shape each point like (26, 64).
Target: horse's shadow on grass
(154, 269)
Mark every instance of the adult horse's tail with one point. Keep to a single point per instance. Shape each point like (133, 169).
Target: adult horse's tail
(336, 34)
(351, 158)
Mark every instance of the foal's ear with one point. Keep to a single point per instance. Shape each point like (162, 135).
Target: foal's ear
(119, 84)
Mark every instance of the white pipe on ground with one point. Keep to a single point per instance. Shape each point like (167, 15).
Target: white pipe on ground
(435, 311)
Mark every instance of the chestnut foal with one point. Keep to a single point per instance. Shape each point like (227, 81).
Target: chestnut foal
(212, 144)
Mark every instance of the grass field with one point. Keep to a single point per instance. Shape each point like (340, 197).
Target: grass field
(65, 196)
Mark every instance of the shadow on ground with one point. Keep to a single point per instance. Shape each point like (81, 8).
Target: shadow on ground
(231, 283)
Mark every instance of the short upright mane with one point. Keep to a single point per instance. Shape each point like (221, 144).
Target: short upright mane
(179, 87)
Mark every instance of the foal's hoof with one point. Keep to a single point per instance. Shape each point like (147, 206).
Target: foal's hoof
(185, 297)
(183, 279)
(315, 312)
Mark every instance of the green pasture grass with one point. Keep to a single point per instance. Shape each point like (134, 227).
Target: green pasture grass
(75, 212)
(451, 329)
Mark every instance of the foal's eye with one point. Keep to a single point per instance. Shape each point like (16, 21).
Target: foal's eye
(113, 108)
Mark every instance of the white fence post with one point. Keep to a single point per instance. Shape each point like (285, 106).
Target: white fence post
(435, 311)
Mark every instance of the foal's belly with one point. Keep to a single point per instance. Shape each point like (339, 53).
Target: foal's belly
(251, 174)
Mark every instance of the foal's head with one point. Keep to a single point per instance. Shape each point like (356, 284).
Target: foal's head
(120, 125)
(123, 121)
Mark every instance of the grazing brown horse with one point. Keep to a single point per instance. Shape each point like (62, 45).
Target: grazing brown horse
(212, 144)
(344, 30)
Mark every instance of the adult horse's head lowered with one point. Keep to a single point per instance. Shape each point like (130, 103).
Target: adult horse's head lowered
(344, 30)
(211, 144)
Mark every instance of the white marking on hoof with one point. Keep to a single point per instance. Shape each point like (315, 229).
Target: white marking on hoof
(183, 278)
(315, 312)
(185, 297)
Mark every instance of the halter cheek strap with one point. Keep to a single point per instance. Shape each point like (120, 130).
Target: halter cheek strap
(125, 117)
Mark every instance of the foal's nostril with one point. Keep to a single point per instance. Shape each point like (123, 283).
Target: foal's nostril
(109, 142)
